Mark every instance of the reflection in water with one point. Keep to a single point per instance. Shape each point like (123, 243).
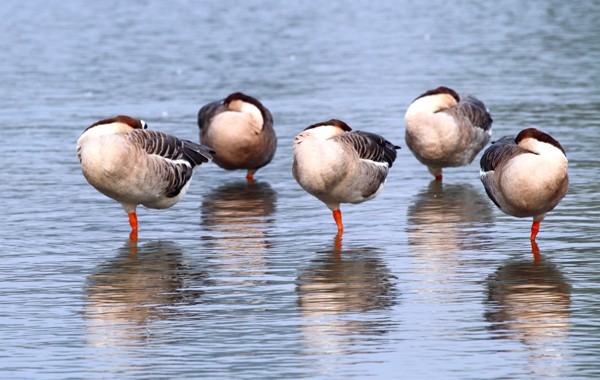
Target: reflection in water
(336, 294)
(138, 286)
(448, 217)
(530, 301)
(444, 221)
(238, 217)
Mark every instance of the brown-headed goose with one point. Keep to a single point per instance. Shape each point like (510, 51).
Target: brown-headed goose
(445, 130)
(526, 176)
(241, 130)
(337, 165)
(133, 165)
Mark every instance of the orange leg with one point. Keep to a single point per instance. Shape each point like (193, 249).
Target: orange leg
(536, 252)
(438, 178)
(337, 216)
(535, 228)
(133, 236)
(250, 176)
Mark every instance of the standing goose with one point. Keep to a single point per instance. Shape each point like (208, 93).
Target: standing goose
(337, 165)
(526, 176)
(445, 130)
(240, 128)
(133, 165)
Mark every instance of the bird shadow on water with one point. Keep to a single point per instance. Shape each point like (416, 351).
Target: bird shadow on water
(529, 301)
(344, 298)
(238, 217)
(139, 286)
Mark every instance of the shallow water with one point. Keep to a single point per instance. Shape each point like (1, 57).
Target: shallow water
(249, 281)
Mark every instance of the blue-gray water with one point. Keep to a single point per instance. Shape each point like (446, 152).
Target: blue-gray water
(246, 282)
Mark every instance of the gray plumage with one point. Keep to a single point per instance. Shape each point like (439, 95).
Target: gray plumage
(208, 112)
(472, 110)
(371, 146)
(173, 149)
(500, 151)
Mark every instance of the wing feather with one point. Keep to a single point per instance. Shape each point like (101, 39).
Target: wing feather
(371, 146)
(170, 147)
(208, 112)
(180, 157)
(472, 109)
(500, 151)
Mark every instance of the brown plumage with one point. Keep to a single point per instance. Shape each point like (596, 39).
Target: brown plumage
(133, 165)
(240, 129)
(526, 176)
(338, 165)
(446, 130)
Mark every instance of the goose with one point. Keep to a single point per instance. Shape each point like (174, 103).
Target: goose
(445, 130)
(240, 128)
(338, 165)
(526, 176)
(133, 165)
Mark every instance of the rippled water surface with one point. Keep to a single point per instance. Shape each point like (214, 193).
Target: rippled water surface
(248, 281)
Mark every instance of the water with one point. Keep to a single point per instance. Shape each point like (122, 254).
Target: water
(248, 282)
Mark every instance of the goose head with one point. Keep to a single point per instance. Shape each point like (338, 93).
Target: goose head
(539, 142)
(325, 130)
(240, 102)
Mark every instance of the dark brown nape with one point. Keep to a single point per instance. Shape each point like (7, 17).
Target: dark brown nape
(243, 97)
(268, 118)
(132, 122)
(538, 135)
(440, 90)
(335, 122)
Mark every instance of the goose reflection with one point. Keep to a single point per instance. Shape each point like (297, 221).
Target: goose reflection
(336, 292)
(444, 221)
(448, 217)
(238, 217)
(530, 301)
(138, 286)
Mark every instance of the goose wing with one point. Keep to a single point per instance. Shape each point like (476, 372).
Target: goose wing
(170, 147)
(267, 118)
(377, 155)
(371, 146)
(472, 109)
(179, 157)
(501, 151)
(208, 112)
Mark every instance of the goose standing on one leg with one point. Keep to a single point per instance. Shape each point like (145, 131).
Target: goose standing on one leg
(445, 130)
(339, 166)
(526, 176)
(133, 165)
(240, 128)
